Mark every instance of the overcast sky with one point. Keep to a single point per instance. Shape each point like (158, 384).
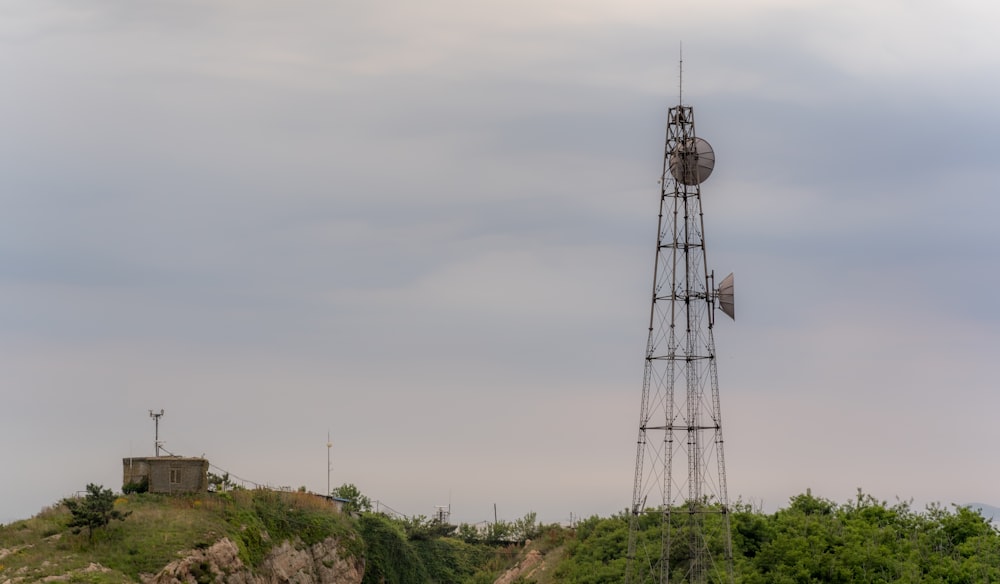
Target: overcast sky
(428, 228)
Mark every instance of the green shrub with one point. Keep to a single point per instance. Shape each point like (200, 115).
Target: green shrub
(142, 486)
(389, 557)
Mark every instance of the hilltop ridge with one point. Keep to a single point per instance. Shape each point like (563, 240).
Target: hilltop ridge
(184, 533)
(247, 537)
(260, 537)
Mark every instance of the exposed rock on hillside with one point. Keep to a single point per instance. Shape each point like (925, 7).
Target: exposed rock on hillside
(73, 576)
(317, 564)
(526, 568)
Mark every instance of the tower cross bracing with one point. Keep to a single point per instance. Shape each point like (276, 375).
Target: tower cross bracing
(679, 490)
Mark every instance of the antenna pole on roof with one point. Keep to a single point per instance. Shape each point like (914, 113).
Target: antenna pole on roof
(156, 420)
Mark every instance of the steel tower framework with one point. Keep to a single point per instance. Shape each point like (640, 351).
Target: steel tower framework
(680, 418)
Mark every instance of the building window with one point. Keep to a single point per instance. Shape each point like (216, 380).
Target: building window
(175, 476)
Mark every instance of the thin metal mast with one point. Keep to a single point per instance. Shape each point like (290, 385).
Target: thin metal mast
(156, 421)
(680, 414)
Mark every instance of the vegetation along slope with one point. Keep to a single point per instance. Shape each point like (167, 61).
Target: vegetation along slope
(811, 540)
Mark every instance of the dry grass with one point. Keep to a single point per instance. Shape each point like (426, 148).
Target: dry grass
(544, 573)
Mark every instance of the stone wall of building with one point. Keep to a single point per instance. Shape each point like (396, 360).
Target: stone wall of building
(167, 474)
(134, 470)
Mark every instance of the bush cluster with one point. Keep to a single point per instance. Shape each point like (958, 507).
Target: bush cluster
(812, 540)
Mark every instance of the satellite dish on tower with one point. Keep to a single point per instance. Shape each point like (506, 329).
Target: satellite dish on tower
(725, 296)
(692, 161)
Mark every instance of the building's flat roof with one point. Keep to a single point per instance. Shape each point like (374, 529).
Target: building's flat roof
(174, 458)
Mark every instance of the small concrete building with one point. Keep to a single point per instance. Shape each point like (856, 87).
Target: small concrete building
(338, 503)
(167, 474)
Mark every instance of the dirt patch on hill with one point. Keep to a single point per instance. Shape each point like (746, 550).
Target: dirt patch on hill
(525, 568)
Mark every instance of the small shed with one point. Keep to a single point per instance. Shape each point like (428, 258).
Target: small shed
(338, 502)
(166, 474)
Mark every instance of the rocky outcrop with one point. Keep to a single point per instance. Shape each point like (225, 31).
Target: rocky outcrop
(317, 564)
(321, 563)
(216, 563)
(79, 575)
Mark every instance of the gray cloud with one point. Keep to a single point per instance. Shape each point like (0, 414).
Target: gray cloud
(431, 232)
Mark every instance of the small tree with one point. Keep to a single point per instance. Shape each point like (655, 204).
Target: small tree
(469, 534)
(500, 532)
(526, 528)
(96, 509)
(356, 502)
(219, 484)
(419, 527)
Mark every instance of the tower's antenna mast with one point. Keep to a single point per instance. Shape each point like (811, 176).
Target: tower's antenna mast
(680, 417)
(156, 420)
(680, 75)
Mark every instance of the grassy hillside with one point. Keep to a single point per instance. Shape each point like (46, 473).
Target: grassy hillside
(158, 528)
(812, 540)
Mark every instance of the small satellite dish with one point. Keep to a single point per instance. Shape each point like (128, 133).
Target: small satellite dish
(725, 296)
(692, 161)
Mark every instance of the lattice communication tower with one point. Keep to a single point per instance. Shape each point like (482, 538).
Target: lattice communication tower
(679, 521)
